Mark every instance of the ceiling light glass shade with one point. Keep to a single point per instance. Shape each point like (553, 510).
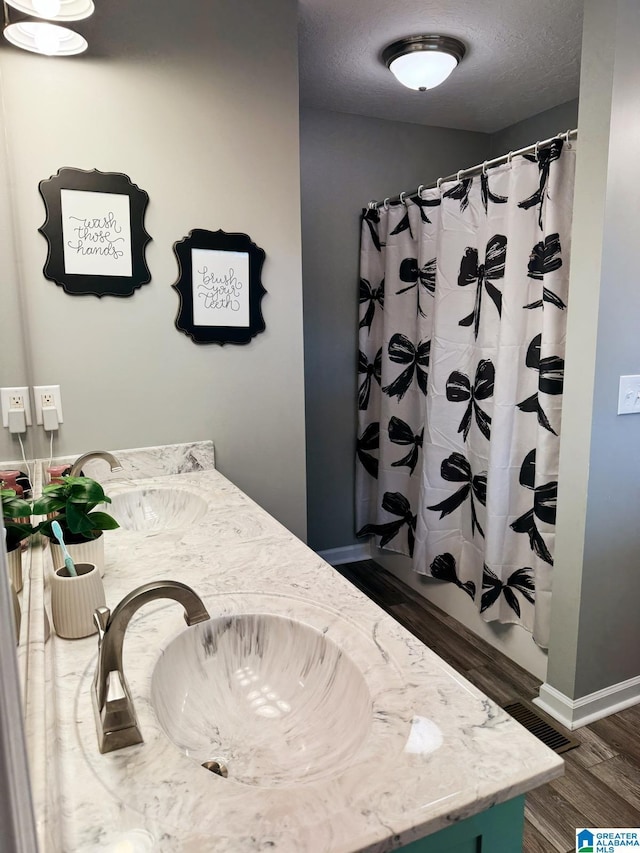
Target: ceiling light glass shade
(423, 70)
(47, 39)
(423, 62)
(55, 10)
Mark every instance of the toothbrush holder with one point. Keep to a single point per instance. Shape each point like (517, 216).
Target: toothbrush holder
(73, 600)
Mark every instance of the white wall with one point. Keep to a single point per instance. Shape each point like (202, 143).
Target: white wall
(198, 104)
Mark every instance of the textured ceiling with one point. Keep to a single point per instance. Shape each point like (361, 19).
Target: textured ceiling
(523, 57)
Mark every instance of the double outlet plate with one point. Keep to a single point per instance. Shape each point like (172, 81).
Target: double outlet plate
(44, 396)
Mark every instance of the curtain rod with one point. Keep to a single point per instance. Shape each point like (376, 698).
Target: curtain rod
(475, 170)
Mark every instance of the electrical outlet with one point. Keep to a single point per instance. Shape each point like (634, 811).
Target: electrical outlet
(47, 395)
(15, 398)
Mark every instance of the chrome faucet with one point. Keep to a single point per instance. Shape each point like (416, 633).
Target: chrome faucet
(116, 720)
(94, 454)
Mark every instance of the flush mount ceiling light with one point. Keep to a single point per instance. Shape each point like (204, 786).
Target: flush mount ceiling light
(423, 62)
(55, 10)
(47, 39)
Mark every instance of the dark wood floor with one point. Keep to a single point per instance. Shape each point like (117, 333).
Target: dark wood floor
(601, 785)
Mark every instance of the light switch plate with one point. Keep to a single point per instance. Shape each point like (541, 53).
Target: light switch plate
(629, 395)
(50, 394)
(8, 397)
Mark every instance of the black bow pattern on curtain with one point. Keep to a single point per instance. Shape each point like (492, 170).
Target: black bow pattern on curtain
(426, 275)
(550, 372)
(444, 568)
(416, 359)
(456, 469)
(546, 258)
(460, 390)
(395, 504)
(371, 370)
(369, 296)
(519, 581)
(463, 294)
(483, 275)
(368, 445)
(544, 159)
(401, 433)
(544, 507)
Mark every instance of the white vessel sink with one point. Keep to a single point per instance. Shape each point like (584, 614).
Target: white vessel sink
(270, 698)
(157, 508)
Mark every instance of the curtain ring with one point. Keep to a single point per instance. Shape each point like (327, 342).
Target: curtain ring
(438, 183)
(509, 157)
(459, 175)
(419, 193)
(402, 201)
(484, 168)
(372, 205)
(566, 138)
(385, 203)
(536, 150)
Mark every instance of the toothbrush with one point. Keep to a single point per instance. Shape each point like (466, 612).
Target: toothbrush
(57, 532)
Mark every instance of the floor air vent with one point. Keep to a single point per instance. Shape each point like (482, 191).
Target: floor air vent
(551, 737)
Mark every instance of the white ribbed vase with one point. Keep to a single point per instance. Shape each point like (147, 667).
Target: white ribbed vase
(14, 561)
(91, 551)
(73, 601)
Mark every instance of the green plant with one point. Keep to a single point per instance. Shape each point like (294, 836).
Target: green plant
(74, 501)
(14, 508)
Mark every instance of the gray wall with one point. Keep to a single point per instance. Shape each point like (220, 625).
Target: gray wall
(595, 638)
(611, 576)
(535, 129)
(200, 109)
(345, 161)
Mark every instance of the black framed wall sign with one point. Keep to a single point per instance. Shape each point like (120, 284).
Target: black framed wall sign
(95, 231)
(220, 287)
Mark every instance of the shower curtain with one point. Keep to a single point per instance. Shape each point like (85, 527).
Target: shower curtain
(463, 303)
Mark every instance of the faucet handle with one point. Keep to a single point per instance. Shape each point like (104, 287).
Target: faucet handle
(101, 616)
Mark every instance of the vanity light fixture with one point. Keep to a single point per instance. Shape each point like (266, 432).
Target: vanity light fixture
(42, 31)
(423, 62)
(45, 38)
(59, 11)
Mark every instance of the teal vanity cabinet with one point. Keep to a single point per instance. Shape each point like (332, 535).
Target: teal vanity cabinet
(498, 830)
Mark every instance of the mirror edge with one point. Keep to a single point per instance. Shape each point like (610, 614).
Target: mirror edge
(16, 803)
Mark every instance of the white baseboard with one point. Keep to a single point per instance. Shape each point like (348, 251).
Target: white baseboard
(347, 554)
(574, 713)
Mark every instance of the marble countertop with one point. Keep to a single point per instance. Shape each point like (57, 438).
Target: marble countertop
(437, 750)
